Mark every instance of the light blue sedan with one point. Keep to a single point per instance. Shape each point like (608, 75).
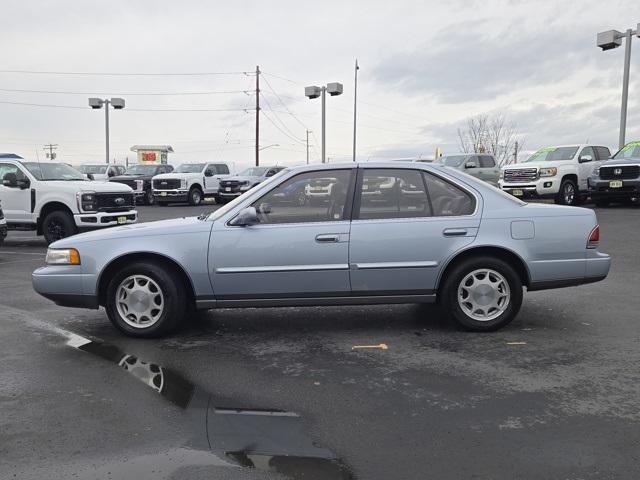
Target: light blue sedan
(378, 233)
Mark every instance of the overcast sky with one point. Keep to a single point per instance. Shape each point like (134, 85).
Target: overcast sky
(426, 66)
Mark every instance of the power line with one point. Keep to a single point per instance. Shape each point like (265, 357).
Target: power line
(281, 130)
(285, 107)
(282, 78)
(271, 109)
(123, 94)
(126, 74)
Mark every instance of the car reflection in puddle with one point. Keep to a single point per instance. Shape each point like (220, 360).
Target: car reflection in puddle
(268, 440)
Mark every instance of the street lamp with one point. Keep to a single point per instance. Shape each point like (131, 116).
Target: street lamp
(312, 92)
(97, 103)
(613, 39)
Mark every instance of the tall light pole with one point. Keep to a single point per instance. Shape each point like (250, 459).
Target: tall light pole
(613, 39)
(96, 104)
(334, 89)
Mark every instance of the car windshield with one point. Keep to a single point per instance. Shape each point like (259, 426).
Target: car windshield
(629, 151)
(93, 169)
(190, 168)
(53, 171)
(141, 170)
(550, 154)
(253, 172)
(452, 160)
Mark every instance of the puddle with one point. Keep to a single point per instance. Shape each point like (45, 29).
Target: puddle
(268, 440)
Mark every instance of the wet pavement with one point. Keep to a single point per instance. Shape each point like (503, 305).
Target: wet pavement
(255, 393)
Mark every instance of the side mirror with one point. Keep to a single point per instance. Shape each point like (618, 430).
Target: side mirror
(111, 173)
(585, 158)
(24, 183)
(10, 180)
(470, 165)
(208, 173)
(90, 176)
(246, 218)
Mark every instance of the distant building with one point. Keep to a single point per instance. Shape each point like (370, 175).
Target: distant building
(152, 153)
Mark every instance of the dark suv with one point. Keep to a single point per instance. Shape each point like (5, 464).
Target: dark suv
(618, 179)
(138, 177)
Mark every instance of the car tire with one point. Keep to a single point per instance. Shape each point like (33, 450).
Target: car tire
(58, 225)
(149, 199)
(153, 285)
(464, 299)
(195, 196)
(568, 194)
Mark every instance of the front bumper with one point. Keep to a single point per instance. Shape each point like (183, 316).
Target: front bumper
(105, 219)
(545, 187)
(171, 195)
(64, 285)
(599, 188)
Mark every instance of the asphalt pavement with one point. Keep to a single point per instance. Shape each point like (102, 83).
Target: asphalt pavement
(554, 395)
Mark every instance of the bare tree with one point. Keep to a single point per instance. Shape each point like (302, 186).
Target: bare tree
(493, 135)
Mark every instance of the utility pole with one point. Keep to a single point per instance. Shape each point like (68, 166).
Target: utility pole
(307, 147)
(51, 147)
(355, 104)
(257, 115)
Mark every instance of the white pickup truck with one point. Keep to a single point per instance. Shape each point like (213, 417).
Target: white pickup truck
(559, 173)
(189, 182)
(57, 201)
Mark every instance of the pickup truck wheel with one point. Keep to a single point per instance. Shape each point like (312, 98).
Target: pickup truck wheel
(58, 225)
(568, 193)
(144, 300)
(195, 196)
(149, 199)
(483, 294)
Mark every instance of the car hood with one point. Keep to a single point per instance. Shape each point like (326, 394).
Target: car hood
(178, 175)
(613, 161)
(118, 178)
(77, 185)
(174, 226)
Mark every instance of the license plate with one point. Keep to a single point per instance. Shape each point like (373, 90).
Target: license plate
(122, 220)
(517, 193)
(227, 189)
(163, 194)
(615, 184)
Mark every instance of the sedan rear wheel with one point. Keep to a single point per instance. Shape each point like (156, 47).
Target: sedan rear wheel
(144, 300)
(482, 293)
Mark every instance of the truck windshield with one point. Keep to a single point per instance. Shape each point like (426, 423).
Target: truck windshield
(629, 151)
(253, 172)
(190, 168)
(452, 160)
(141, 170)
(94, 169)
(53, 171)
(550, 154)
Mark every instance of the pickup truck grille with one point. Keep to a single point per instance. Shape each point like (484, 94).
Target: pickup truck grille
(115, 202)
(166, 184)
(518, 175)
(232, 185)
(615, 173)
(130, 183)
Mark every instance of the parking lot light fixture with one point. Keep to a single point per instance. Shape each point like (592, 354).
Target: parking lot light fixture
(96, 104)
(334, 89)
(613, 39)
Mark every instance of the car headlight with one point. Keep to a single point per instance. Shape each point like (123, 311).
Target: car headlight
(87, 201)
(62, 256)
(548, 172)
(596, 172)
(183, 183)
(501, 174)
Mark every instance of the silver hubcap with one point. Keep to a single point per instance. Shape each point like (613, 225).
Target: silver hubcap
(569, 193)
(196, 196)
(139, 301)
(484, 294)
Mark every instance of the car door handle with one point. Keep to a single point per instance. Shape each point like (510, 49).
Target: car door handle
(454, 232)
(328, 238)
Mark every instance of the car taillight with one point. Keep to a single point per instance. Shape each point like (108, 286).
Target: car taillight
(594, 237)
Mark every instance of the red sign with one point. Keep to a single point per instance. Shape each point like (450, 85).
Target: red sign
(148, 156)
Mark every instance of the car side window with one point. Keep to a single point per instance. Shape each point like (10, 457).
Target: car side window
(603, 153)
(271, 172)
(9, 168)
(222, 169)
(588, 151)
(319, 196)
(446, 198)
(487, 161)
(390, 193)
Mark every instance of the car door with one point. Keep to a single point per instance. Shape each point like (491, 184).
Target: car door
(401, 235)
(489, 171)
(16, 201)
(212, 175)
(585, 167)
(295, 251)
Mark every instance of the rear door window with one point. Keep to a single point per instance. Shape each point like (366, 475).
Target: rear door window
(448, 199)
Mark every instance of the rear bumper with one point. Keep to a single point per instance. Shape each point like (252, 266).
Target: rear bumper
(64, 289)
(590, 270)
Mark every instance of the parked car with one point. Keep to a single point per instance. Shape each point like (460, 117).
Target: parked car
(617, 180)
(138, 177)
(559, 173)
(57, 201)
(480, 165)
(101, 171)
(451, 238)
(235, 186)
(3, 226)
(189, 182)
